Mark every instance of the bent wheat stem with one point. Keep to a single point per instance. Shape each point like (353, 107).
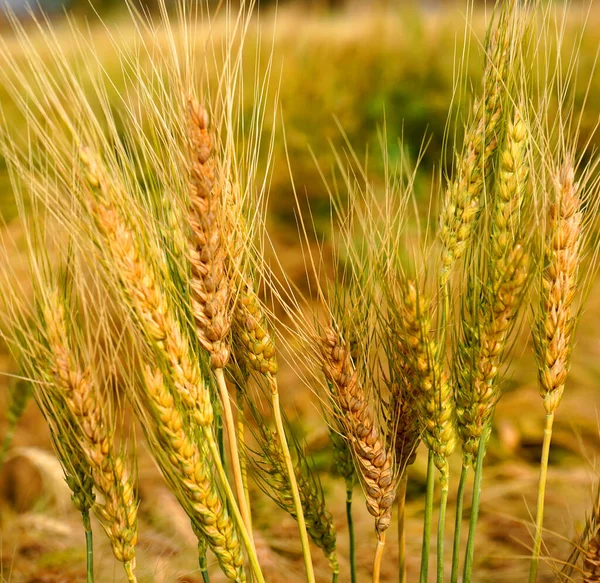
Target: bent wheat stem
(289, 466)
(539, 521)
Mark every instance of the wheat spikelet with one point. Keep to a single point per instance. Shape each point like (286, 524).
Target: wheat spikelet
(433, 396)
(463, 195)
(403, 423)
(553, 336)
(212, 290)
(118, 513)
(252, 330)
(187, 465)
(140, 284)
(480, 352)
(372, 458)
(78, 479)
(511, 187)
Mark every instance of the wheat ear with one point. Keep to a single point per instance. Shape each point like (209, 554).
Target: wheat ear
(493, 301)
(211, 284)
(257, 352)
(463, 195)
(553, 334)
(194, 484)
(373, 461)
(434, 405)
(271, 465)
(480, 354)
(433, 395)
(118, 513)
(141, 287)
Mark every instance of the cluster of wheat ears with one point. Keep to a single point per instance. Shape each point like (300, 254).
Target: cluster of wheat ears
(143, 224)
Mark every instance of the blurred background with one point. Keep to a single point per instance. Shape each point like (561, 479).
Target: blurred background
(360, 65)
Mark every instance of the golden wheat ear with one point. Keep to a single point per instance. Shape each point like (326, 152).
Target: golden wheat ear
(373, 459)
(495, 291)
(553, 334)
(212, 282)
(118, 511)
(187, 468)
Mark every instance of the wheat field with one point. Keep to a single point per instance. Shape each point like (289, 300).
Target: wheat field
(302, 298)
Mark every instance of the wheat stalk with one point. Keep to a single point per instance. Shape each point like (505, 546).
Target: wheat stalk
(553, 333)
(271, 465)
